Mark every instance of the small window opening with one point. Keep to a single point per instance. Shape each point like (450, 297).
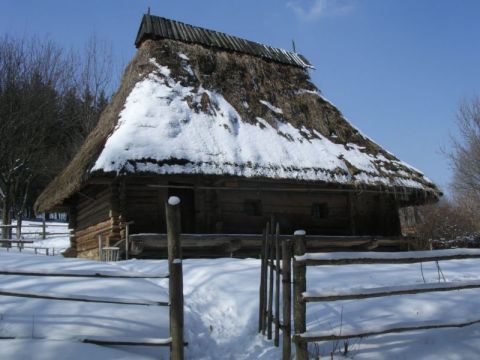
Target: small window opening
(320, 211)
(253, 207)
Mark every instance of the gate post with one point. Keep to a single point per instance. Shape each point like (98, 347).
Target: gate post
(176, 277)
(287, 299)
(299, 287)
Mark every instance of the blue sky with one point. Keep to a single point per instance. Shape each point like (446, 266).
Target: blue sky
(397, 69)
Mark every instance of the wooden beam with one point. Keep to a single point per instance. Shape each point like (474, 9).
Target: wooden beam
(406, 257)
(318, 295)
(90, 299)
(312, 337)
(82, 275)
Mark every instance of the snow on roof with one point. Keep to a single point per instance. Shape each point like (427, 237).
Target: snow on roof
(159, 132)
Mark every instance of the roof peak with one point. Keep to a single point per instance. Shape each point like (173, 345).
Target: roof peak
(156, 27)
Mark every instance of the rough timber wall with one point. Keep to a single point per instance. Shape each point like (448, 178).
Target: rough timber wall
(93, 216)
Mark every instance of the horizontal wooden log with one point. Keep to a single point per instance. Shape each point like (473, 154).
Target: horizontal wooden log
(128, 342)
(8, 241)
(81, 274)
(313, 337)
(159, 241)
(319, 295)
(91, 299)
(406, 257)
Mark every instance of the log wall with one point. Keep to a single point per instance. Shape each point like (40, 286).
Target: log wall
(219, 206)
(94, 215)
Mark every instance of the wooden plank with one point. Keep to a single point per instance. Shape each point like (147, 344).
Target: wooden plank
(261, 302)
(276, 338)
(270, 281)
(127, 342)
(299, 287)
(91, 299)
(287, 299)
(321, 295)
(313, 337)
(176, 277)
(81, 274)
(406, 257)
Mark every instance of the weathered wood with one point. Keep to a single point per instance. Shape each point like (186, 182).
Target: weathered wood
(44, 228)
(176, 310)
(129, 342)
(265, 281)
(270, 283)
(287, 299)
(8, 241)
(315, 296)
(404, 259)
(303, 339)
(276, 338)
(127, 238)
(299, 287)
(173, 232)
(261, 303)
(81, 274)
(176, 277)
(31, 295)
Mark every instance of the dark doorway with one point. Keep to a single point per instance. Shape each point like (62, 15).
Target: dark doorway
(187, 196)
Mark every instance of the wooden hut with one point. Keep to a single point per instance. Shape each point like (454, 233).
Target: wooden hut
(238, 131)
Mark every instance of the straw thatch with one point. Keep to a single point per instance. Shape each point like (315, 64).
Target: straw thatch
(250, 85)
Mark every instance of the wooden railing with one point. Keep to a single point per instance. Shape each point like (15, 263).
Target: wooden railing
(43, 233)
(301, 296)
(175, 299)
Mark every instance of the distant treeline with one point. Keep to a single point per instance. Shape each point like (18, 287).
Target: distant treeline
(50, 99)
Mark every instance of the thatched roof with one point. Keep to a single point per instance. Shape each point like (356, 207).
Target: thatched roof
(186, 108)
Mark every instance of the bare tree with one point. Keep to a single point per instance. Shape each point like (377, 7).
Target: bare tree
(49, 101)
(464, 156)
(445, 220)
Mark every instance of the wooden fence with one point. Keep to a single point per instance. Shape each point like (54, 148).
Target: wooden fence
(302, 297)
(175, 276)
(20, 231)
(280, 255)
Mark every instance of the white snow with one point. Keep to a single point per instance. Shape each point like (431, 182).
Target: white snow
(173, 200)
(157, 127)
(299, 233)
(271, 107)
(221, 304)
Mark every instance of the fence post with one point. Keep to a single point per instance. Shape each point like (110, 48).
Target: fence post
(261, 302)
(100, 245)
(176, 277)
(127, 234)
(265, 280)
(299, 287)
(44, 228)
(19, 228)
(270, 283)
(276, 339)
(287, 299)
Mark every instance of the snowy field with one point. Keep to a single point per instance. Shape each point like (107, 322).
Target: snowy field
(221, 310)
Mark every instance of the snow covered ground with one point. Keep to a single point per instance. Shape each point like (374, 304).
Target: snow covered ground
(221, 310)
